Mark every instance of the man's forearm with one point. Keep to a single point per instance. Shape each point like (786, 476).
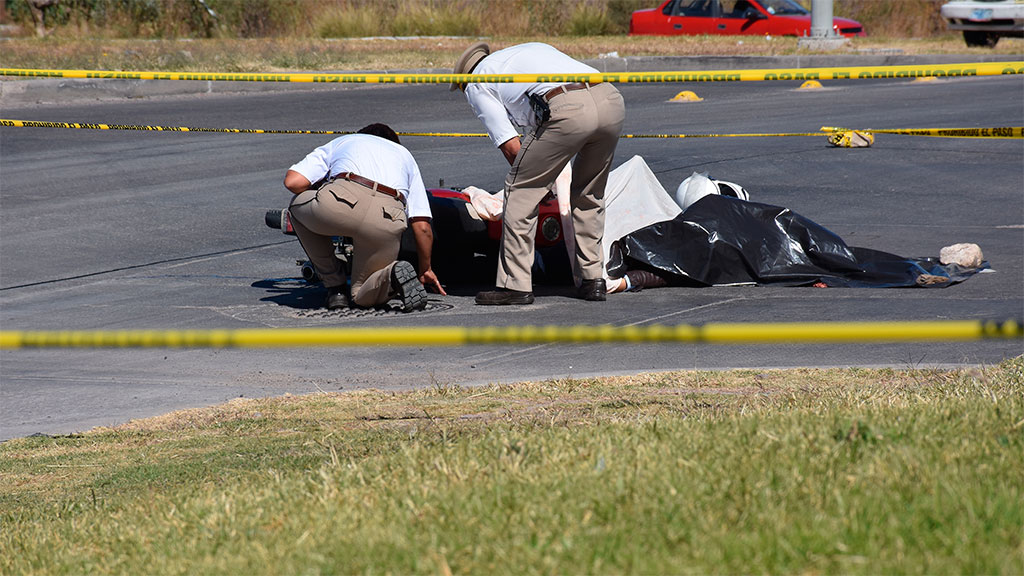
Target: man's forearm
(510, 148)
(424, 236)
(295, 182)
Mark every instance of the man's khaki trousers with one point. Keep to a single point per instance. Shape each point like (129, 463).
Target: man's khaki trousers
(375, 222)
(586, 124)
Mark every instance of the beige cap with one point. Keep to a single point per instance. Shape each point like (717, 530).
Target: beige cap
(469, 59)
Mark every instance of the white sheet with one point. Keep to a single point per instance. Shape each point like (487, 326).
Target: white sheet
(633, 199)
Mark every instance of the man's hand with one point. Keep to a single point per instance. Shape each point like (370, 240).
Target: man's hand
(431, 283)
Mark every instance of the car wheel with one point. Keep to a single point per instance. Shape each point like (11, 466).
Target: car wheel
(983, 39)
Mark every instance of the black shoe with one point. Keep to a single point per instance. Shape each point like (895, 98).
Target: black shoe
(337, 298)
(592, 290)
(504, 297)
(407, 287)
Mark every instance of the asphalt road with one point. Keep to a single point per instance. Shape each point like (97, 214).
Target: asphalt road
(148, 230)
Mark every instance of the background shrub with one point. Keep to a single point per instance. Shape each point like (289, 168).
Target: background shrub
(899, 19)
(589, 20)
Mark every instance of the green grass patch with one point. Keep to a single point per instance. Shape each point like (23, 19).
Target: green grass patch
(834, 471)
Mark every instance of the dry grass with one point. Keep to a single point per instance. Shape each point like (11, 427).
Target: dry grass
(359, 18)
(274, 55)
(900, 19)
(306, 35)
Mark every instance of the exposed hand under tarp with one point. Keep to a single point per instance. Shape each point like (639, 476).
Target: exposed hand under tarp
(722, 241)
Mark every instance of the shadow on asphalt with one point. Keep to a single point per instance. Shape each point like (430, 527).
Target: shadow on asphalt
(298, 294)
(293, 293)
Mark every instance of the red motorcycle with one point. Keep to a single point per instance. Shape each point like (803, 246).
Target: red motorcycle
(465, 244)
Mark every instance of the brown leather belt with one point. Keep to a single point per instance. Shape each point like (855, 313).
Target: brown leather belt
(566, 88)
(353, 177)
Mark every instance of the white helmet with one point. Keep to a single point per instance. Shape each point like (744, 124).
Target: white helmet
(698, 186)
(731, 189)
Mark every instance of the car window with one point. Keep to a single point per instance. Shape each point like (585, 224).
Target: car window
(737, 9)
(783, 7)
(694, 8)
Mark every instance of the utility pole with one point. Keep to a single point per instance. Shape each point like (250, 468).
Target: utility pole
(821, 19)
(823, 36)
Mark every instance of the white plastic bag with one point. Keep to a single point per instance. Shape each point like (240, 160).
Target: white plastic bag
(561, 189)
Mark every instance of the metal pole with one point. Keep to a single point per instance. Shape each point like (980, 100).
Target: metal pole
(821, 19)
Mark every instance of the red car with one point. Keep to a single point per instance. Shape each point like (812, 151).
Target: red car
(732, 17)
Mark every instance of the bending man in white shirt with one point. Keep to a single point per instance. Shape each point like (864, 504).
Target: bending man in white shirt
(563, 120)
(368, 187)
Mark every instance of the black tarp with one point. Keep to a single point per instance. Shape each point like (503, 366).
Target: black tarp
(721, 240)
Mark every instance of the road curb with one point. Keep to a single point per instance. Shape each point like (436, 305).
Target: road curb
(27, 92)
(666, 63)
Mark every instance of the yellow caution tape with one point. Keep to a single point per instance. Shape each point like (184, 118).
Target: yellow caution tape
(851, 139)
(999, 132)
(725, 333)
(139, 127)
(751, 135)
(756, 75)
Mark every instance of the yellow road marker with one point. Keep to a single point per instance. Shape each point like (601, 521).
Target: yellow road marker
(686, 96)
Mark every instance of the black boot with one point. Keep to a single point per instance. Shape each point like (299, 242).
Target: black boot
(337, 297)
(406, 286)
(640, 279)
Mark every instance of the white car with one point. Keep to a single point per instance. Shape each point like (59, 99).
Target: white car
(985, 21)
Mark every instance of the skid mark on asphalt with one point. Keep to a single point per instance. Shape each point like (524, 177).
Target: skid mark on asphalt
(172, 261)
